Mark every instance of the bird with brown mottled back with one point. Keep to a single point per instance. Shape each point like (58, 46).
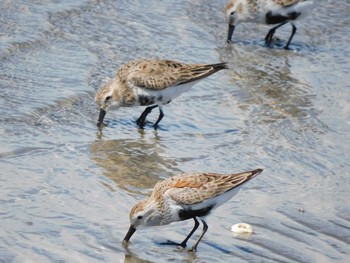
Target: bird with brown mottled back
(152, 83)
(186, 196)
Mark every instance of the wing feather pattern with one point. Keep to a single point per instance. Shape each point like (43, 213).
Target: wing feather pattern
(187, 189)
(160, 74)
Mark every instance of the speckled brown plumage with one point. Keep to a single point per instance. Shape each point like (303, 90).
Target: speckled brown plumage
(196, 187)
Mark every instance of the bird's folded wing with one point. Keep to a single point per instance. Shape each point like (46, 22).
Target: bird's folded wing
(189, 196)
(192, 190)
(154, 80)
(158, 76)
(189, 189)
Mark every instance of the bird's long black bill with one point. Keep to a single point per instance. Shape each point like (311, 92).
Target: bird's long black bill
(129, 234)
(101, 117)
(231, 28)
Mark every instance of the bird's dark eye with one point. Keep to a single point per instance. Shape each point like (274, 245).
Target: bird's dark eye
(108, 98)
(139, 217)
(232, 13)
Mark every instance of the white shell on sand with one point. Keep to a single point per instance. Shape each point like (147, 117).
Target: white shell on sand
(242, 228)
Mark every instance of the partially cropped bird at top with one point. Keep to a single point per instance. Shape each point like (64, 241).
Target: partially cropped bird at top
(269, 12)
(151, 83)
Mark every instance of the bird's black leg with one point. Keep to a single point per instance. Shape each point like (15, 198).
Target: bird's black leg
(161, 115)
(196, 224)
(291, 36)
(268, 38)
(142, 119)
(205, 228)
(183, 243)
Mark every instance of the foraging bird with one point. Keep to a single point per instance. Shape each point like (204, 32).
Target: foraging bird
(152, 83)
(186, 196)
(268, 12)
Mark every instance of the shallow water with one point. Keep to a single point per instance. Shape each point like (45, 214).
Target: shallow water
(67, 188)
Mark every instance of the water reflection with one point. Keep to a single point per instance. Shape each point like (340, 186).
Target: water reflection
(131, 258)
(132, 164)
(265, 77)
(172, 255)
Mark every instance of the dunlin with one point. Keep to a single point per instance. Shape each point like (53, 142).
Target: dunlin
(268, 12)
(186, 196)
(150, 82)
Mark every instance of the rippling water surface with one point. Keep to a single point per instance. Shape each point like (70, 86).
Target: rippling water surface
(67, 188)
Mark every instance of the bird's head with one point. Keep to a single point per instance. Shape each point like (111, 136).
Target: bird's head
(107, 98)
(143, 214)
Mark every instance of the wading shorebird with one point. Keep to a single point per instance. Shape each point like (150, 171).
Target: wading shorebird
(186, 196)
(269, 12)
(152, 83)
